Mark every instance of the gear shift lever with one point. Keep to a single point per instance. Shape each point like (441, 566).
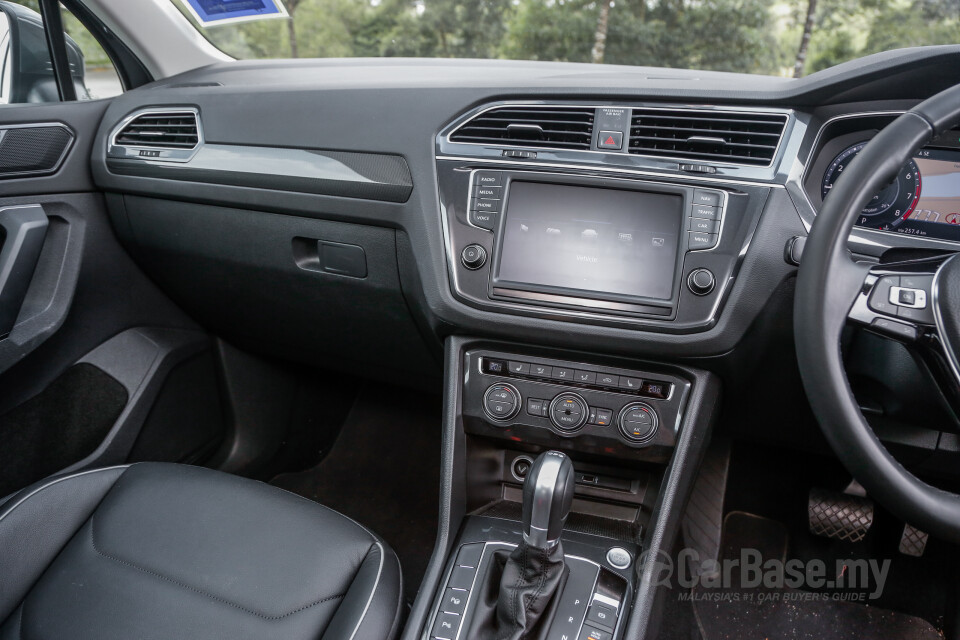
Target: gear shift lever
(547, 496)
(535, 570)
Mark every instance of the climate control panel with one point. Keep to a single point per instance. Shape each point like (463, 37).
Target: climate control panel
(615, 411)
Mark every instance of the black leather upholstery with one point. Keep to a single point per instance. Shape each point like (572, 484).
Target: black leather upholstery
(170, 551)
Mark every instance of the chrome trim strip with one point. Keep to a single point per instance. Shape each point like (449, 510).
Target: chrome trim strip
(168, 154)
(597, 170)
(472, 115)
(949, 349)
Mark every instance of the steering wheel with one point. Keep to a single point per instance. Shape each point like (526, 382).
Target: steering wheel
(832, 288)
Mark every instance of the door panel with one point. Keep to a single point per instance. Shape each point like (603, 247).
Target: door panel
(93, 339)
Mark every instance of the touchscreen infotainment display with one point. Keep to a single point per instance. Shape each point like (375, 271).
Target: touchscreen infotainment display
(607, 241)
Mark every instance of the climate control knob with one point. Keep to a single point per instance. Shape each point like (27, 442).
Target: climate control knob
(569, 412)
(501, 401)
(638, 422)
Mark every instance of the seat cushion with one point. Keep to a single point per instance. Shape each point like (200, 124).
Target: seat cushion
(172, 551)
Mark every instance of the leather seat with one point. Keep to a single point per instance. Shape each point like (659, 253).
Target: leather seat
(155, 550)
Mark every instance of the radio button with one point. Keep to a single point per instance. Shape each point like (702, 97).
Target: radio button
(484, 219)
(711, 198)
(700, 240)
(705, 211)
(489, 179)
(703, 225)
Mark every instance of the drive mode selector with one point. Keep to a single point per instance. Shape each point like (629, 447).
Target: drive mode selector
(501, 401)
(638, 422)
(568, 412)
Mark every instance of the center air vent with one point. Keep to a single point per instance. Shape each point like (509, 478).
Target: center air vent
(161, 130)
(539, 126)
(719, 136)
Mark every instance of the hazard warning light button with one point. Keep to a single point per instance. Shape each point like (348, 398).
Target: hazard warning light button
(610, 140)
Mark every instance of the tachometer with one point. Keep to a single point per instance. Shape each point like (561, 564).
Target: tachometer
(889, 208)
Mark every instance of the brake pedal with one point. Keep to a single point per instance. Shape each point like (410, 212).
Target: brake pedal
(840, 516)
(913, 542)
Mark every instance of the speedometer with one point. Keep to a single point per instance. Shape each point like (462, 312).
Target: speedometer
(896, 201)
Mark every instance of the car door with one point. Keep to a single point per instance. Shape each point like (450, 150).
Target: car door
(95, 361)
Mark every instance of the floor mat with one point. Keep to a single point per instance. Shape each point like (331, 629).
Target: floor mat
(739, 609)
(384, 472)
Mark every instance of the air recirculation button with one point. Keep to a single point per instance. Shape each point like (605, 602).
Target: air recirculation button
(638, 422)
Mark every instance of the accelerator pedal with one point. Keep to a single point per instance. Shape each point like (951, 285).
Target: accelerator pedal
(845, 516)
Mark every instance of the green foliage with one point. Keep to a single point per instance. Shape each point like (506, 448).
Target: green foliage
(756, 36)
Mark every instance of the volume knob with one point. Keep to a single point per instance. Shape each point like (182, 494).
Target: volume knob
(701, 281)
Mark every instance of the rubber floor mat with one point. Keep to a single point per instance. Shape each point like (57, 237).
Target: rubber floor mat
(384, 472)
(736, 608)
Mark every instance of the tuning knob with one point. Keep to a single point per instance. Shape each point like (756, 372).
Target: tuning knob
(701, 281)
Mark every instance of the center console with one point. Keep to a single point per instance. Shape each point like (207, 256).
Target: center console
(583, 246)
(631, 433)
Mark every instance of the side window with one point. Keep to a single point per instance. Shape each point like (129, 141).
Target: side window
(27, 74)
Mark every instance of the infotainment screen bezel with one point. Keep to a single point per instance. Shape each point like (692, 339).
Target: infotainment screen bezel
(595, 300)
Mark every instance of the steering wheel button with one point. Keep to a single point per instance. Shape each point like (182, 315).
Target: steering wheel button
(880, 295)
(894, 329)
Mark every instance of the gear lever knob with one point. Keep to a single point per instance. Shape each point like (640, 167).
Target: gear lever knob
(547, 497)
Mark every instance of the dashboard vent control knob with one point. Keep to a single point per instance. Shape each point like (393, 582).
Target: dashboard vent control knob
(638, 422)
(473, 256)
(701, 281)
(569, 412)
(501, 401)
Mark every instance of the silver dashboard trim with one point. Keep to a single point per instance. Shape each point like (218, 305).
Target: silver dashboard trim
(471, 115)
(601, 170)
(866, 238)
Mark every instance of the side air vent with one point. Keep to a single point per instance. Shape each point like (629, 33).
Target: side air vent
(719, 136)
(161, 130)
(540, 126)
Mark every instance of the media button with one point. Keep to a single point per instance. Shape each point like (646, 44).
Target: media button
(484, 191)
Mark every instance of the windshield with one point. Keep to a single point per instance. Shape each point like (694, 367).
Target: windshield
(789, 38)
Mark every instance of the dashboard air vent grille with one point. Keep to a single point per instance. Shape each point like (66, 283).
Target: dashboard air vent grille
(162, 130)
(718, 136)
(543, 127)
